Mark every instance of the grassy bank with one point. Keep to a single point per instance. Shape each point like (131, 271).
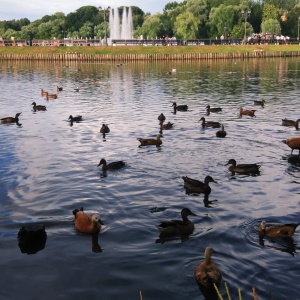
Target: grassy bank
(149, 49)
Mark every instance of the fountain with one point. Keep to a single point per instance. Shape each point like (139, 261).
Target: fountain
(119, 30)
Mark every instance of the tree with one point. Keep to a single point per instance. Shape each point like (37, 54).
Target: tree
(151, 28)
(270, 26)
(86, 30)
(270, 12)
(186, 26)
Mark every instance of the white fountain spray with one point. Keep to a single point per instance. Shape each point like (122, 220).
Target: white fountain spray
(120, 31)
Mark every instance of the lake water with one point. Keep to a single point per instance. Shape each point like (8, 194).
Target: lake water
(48, 168)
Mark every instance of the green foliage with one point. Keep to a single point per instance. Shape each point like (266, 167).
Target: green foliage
(151, 28)
(186, 26)
(270, 26)
(270, 12)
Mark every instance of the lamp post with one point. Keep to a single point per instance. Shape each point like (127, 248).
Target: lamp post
(100, 8)
(225, 28)
(298, 28)
(245, 13)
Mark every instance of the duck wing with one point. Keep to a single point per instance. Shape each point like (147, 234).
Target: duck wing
(116, 165)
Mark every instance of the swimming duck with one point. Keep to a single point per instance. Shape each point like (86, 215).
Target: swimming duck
(75, 119)
(221, 133)
(197, 186)
(111, 166)
(247, 112)
(50, 96)
(161, 117)
(293, 143)
(76, 89)
(182, 107)
(178, 227)
(214, 109)
(279, 231)
(85, 223)
(104, 129)
(260, 102)
(286, 122)
(212, 124)
(43, 93)
(243, 168)
(168, 73)
(10, 119)
(207, 273)
(146, 142)
(168, 125)
(38, 107)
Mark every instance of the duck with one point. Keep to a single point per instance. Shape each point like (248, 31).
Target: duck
(147, 142)
(161, 117)
(86, 223)
(247, 112)
(168, 125)
(181, 107)
(168, 73)
(207, 273)
(197, 186)
(214, 109)
(286, 122)
(293, 143)
(76, 89)
(104, 129)
(212, 124)
(10, 119)
(221, 133)
(59, 88)
(243, 168)
(260, 102)
(182, 227)
(75, 119)
(111, 166)
(38, 107)
(279, 231)
(50, 96)
(43, 93)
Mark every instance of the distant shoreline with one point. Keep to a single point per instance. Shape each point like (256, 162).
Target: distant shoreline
(136, 53)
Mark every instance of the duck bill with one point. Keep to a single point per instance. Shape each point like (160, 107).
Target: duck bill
(215, 181)
(100, 222)
(192, 214)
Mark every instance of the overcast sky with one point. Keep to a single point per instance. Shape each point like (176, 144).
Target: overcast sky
(36, 9)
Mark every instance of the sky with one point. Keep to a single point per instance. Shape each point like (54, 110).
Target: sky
(36, 9)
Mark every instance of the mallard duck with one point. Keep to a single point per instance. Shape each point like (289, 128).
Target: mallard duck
(178, 227)
(43, 93)
(85, 223)
(260, 102)
(207, 273)
(10, 119)
(146, 142)
(59, 89)
(280, 231)
(168, 125)
(286, 122)
(247, 112)
(243, 168)
(161, 117)
(221, 133)
(196, 186)
(38, 107)
(182, 107)
(212, 124)
(75, 119)
(50, 96)
(214, 109)
(111, 166)
(293, 143)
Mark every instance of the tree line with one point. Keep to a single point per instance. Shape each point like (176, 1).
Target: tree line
(190, 19)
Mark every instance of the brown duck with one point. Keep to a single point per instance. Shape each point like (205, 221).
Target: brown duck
(10, 119)
(212, 109)
(50, 96)
(207, 273)
(178, 227)
(146, 142)
(260, 102)
(43, 93)
(206, 124)
(293, 143)
(286, 122)
(168, 125)
(196, 186)
(280, 231)
(59, 88)
(161, 117)
(247, 112)
(111, 166)
(181, 107)
(104, 129)
(85, 223)
(38, 107)
(243, 168)
(221, 133)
